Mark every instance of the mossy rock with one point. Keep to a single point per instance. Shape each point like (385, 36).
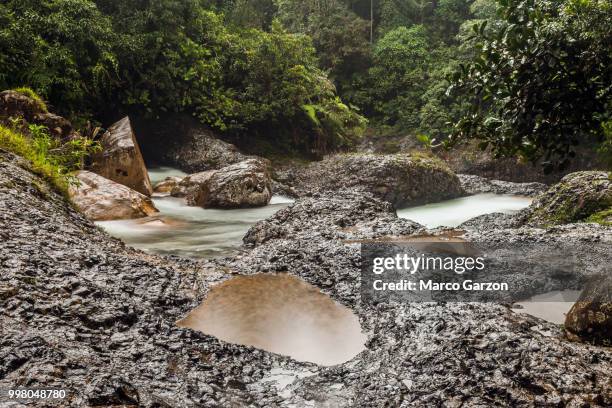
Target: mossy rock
(584, 196)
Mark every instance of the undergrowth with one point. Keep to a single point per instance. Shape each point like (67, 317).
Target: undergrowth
(48, 157)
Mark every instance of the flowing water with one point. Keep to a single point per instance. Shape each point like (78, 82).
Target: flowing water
(281, 314)
(189, 231)
(451, 213)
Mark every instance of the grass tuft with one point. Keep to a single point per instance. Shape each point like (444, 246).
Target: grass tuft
(34, 96)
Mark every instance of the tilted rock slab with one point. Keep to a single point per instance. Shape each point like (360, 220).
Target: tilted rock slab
(121, 160)
(101, 199)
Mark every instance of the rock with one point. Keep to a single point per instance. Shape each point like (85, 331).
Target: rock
(167, 185)
(181, 141)
(85, 313)
(101, 199)
(574, 199)
(345, 214)
(14, 104)
(245, 184)
(401, 179)
(120, 159)
(477, 185)
(590, 318)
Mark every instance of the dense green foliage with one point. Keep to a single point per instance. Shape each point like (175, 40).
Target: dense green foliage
(98, 58)
(541, 84)
(301, 75)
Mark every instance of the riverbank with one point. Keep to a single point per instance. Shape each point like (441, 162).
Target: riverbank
(72, 294)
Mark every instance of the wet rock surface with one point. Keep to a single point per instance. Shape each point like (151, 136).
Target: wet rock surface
(101, 199)
(120, 159)
(82, 312)
(401, 179)
(245, 184)
(475, 185)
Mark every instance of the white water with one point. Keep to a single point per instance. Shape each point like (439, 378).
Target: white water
(451, 213)
(189, 231)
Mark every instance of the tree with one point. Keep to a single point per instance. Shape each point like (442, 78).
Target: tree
(540, 84)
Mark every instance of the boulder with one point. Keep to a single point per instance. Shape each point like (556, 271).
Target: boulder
(575, 198)
(15, 105)
(590, 318)
(401, 179)
(183, 142)
(167, 185)
(101, 199)
(120, 159)
(245, 184)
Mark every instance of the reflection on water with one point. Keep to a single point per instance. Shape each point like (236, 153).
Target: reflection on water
(189, 231)
(451, 213)
(552, 306)
(281, 314)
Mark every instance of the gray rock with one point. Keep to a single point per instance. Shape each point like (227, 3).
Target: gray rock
(121, 160)
(182, 142)
(120, 344)
(245, 184)
(401, 179)
(476, 185)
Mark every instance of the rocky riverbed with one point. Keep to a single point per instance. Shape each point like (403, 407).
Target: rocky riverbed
(83, 312)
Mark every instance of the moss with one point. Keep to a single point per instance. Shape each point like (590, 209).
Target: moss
(40, 103)
(41, 163)
(602, 217)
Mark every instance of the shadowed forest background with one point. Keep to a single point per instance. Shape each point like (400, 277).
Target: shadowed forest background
(527, 78)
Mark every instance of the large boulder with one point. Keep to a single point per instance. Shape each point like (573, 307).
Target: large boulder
(591, 316)
(181, 141)
(101, 199)
(120, 159)
(18, 105)
(401, 179)
(575, 198)
(245, 184)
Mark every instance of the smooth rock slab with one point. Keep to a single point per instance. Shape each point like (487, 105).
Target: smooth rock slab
(101, 199)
